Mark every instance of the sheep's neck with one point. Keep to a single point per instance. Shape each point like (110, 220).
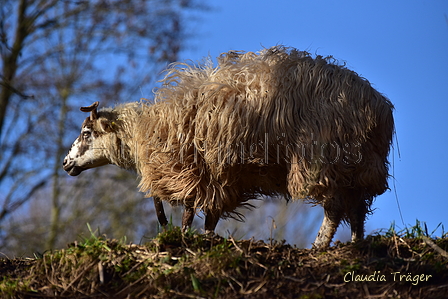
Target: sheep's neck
(126, 149)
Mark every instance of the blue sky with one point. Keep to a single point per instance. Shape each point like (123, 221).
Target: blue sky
(400, 46)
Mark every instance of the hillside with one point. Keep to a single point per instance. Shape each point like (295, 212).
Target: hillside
(191, 265)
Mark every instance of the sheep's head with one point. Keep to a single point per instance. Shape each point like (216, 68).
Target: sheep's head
(88, 150)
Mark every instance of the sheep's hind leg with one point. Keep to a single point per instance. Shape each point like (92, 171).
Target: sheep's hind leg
(187, 218)
(357, 216)
(211, 220)
(357, 227)
(160, 212)
(332, 218)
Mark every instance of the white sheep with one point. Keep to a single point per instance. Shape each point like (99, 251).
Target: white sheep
(278, 122)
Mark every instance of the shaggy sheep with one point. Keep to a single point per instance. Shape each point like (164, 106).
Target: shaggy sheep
(278, 122)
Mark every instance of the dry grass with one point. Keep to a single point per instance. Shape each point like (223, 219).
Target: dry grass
(191, 265)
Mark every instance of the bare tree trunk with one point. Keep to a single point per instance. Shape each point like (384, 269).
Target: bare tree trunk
(55, 203)
(10, 61)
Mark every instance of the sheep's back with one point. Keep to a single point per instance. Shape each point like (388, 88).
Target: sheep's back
(270, 110)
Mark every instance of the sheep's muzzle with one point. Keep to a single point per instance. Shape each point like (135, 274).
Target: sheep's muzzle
(71, 168)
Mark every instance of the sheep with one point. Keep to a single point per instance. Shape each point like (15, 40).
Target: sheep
(277, 123)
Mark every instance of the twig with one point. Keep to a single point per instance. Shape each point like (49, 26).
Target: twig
(236, 246)
(435, 247)
(132, 284)
(101, 272)
(79, 276)
(301, 280)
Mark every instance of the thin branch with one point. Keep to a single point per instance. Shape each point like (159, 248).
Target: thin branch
(18, 203)
(435, 247)
(15, 90)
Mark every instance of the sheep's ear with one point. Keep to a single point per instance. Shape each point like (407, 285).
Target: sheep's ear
(106, 125)
(92, 109)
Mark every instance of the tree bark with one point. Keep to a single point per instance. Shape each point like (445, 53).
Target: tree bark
(10, 61)
(55, 203)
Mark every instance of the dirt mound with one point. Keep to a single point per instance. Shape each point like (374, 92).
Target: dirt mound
(176, 265)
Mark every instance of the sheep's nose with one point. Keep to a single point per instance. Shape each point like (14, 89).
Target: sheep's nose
(65, 161)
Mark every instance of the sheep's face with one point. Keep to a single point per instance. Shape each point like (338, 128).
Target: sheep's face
(87, 151)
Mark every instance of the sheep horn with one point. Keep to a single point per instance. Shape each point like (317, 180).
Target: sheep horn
(92, 109)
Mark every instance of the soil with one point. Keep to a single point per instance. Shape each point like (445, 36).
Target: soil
(176, 265)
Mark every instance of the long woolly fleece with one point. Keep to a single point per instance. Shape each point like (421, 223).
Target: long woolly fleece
(277, 122)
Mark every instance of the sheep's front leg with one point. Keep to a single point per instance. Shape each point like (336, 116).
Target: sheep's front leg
(187, 218)
(160, 211)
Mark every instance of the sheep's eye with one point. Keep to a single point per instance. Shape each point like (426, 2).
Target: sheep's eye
(86, 134)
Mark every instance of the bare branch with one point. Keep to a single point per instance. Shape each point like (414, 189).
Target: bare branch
(19, 202)
(14, 90)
